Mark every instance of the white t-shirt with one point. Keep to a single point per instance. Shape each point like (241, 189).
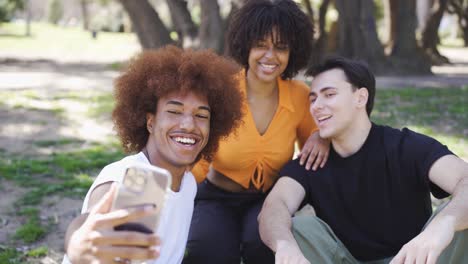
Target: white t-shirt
(176, 214)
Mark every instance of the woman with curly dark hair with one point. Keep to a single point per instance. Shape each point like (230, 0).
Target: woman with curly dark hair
(172, 108)
(272, 40)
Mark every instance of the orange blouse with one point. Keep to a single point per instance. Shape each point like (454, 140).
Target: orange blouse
(246, 152)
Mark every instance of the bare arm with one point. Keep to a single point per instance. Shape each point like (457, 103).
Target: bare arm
(78, 221)
(275, 219)
(451, 174)
(92, 239)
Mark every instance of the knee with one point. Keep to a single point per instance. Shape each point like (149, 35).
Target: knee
(255, 251)
(211, 251)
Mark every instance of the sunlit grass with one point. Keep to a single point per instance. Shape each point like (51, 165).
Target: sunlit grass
(441, 113)
(48, 39)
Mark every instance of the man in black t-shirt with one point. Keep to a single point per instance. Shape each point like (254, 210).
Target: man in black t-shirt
(372, 197)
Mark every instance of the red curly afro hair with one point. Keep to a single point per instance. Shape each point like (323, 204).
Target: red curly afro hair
(156, 73)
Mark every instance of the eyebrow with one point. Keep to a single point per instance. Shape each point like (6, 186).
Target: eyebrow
(181, 104)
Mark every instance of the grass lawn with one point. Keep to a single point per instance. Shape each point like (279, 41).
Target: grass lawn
(441, 113)
(53, 41)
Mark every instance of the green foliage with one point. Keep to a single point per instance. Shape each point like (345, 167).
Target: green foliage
(10, 256)
(438, 112)
(32, 230)
(55, 11)
(60, 173)
(38, 252)
(8, 8)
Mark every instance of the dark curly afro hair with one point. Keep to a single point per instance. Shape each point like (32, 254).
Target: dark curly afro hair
(258, 19)
(156, 73)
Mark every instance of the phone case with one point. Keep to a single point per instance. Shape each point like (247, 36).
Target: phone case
(142, 184)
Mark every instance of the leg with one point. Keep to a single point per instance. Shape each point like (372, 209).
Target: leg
(318, 243)
(214, 232)
(253, 248)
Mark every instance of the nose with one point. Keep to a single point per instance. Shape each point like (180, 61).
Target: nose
(270, 52)
(187, 122)
(316, 105)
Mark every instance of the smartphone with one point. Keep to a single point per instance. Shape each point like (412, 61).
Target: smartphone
(142, 184)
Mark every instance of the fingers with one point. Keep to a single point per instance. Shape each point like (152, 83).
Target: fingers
(432, 258)
(125, 238)
(313, 156)
(399, 258)
(105, 204)
(123, 216)
(137, 253)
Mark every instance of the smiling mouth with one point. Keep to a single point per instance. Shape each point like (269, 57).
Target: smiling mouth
(323, 118)
(268, 66)
(186, 141)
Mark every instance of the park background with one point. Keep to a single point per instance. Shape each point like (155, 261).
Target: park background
(58, 60)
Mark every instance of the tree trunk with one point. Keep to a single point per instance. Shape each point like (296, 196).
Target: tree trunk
(84, 13)
(391, 18)
(408, 57)
(430, 35)
(465, 35)
(151, 31)
(28, 17)
(357, 34)
(211, 26)
(320, 43)
(183, 24)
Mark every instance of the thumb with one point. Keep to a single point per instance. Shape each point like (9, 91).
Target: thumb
(105, 203)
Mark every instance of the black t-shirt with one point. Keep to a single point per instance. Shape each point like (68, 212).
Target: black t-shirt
(377, 199)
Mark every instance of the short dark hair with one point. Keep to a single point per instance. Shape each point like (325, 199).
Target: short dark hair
(357, 73)
(156, 73)
(258, 18)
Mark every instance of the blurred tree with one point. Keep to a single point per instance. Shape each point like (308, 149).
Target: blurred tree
(430, 35)
(406, 55)
(55, 11)
(183, 23)
(357, 34)
(460, 8)
(8, 8)
(151, 31)
(84, 13)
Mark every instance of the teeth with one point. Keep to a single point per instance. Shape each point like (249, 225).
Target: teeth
(185, 140)
(268, 65)
(323, 118)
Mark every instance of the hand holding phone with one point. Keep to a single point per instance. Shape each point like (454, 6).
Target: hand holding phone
(142, 184)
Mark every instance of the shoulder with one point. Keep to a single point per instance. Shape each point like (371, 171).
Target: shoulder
(298, 89)
(116, 169)
(408, 139)
(293, 169)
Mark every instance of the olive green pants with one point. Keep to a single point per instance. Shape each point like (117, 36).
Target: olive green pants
(320, 245)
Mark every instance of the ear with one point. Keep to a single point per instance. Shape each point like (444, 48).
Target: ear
(149, 122)
(362, 97)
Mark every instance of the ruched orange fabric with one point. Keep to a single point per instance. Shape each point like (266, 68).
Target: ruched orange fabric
(247, 157)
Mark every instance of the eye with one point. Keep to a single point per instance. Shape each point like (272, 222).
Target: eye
(313, 99)
(260, 45)
(282, 47)
(329, 94)
(174, 112)
(202, 116)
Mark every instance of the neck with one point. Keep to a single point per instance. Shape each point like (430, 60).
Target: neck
(177, 172)
(258, 88)
(351, 140)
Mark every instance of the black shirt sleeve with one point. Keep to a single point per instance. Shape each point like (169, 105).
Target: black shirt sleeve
(424, 151)
(295, 171)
